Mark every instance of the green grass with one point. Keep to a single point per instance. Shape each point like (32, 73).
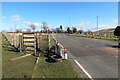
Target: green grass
(0, 43)
(20, 68)
(24, 67)
(62, 69)
(96, 37)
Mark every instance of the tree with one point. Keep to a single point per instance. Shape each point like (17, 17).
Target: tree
(58, 29)
(68, 30)
(44, 25)
(18, 29)
(28, 30)
(61, 27)
(33, 26)
(74, 29)
(80, 31)
(117, 31)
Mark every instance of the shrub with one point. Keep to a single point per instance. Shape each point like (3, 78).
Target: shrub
(117, 31)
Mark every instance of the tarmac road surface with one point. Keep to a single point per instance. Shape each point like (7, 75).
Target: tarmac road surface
(98, 57)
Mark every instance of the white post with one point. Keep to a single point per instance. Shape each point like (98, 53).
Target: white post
(49, 41)
(65, 53)
(66, 56)
(62, 53)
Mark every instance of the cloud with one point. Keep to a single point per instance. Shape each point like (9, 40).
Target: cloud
(18, 28)
(27, 23)
(28, 28)
(108, 26)
(32, 24)
(16, 18)
(104, 27)
(36, 25)
(82, 24)
(4, 17)
(116, 20)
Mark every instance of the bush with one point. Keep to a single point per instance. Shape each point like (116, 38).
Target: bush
(117, 31)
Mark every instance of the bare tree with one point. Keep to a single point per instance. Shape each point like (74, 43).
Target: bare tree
(33, 26)
(58, 29)
(28, 29)
(45, 26)
(18, 29)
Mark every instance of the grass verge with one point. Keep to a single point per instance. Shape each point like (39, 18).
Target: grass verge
(24, 67)
(96, 37)
(62, 69)
(21, 68)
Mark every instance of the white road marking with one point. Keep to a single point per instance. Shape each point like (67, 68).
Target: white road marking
(89, 76)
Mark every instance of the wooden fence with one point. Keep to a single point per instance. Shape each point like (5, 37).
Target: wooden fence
(16, 39)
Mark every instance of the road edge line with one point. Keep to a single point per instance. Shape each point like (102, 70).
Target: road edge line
(89, 76)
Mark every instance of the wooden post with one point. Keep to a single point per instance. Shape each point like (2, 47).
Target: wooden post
(35, 42)
(39, 41)
(20, 42)
(13, 40)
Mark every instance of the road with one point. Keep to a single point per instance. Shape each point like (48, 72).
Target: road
(98, 57)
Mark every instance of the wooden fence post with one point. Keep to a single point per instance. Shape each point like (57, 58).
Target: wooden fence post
(20, 42)
(13, 40)
(39, 41)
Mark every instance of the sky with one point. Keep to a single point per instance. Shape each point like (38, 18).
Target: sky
(82, 15)
(60, 0)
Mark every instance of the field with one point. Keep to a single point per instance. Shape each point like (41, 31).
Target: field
(25, 67)
(96, 37)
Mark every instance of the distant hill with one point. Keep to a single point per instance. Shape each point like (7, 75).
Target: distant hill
(107, 30)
